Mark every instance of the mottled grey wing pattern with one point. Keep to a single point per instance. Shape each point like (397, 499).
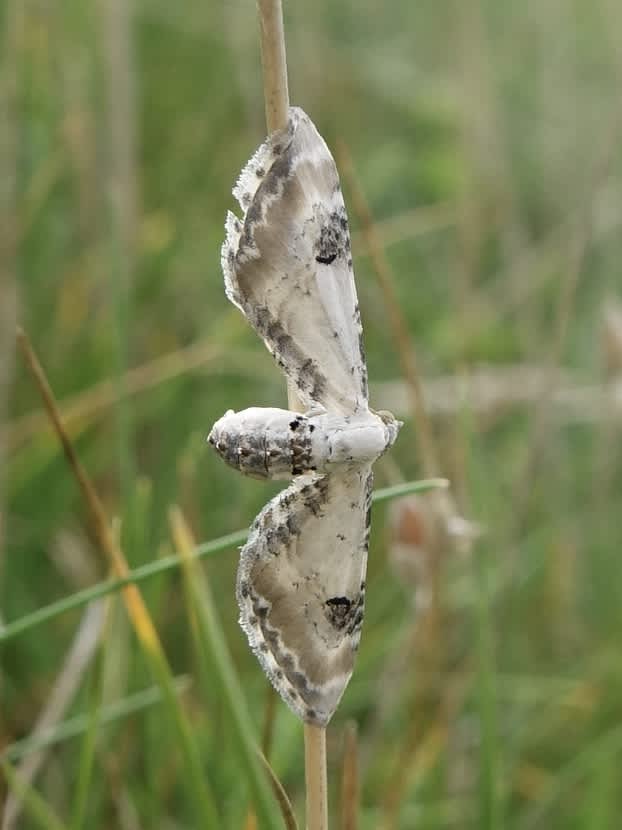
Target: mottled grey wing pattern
(301, 587)
(288, 267)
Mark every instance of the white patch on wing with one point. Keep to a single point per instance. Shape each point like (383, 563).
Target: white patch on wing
(288, 266)
(301, 587)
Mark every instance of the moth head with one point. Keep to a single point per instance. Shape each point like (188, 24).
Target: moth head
(219, 436)
(391, 424)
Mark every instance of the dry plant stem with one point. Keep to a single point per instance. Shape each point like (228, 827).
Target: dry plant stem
(105, 394)
(488, 391)
(59, 700)
(424, 434)
(276, 99)
(267, 734)
(564, 311)
(408, 225)
(421, 759)
(9, 61)
(274, 63)
(133, 599)
(423, 745)
(134, 604)
(315, 777)
(121, 105)
(118, 75)
(350, 780)
(405, 349)
(266, 745)
(281, 796)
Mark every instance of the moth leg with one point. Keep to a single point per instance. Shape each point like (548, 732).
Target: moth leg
(315, 411)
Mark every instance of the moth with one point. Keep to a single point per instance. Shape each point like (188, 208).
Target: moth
(287, 266)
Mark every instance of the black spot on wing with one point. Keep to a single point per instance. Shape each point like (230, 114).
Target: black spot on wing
(334, 240)
(338, 611)
(344, 614)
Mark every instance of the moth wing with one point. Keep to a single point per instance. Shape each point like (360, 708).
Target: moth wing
(288, 266)
(301, 587)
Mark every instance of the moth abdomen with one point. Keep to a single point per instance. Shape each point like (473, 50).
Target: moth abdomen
(265, 442)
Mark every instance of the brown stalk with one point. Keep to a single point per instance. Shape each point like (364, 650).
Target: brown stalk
(423, 747)
(58, 701)
(274, 63)
(285, 804)
(108, 392)
(315, 777)
(578, 244)
(136, 608)
(10, 45)
(397, 323)
(276, 97)
(350, 779)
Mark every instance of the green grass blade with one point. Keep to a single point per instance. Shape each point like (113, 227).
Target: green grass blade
(195, 779)
(37, 807)
(408, 487)
(110, 586)
(167, 563)
(600, 751)
(87, 750)
(600, 804)
(78, 725)
(217, 667)
(490, 812)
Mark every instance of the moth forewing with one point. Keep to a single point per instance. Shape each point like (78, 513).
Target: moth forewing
(288, 266)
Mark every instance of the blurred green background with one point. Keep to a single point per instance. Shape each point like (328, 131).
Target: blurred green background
(486, 137)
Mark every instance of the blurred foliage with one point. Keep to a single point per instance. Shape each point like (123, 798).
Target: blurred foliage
(486, 136)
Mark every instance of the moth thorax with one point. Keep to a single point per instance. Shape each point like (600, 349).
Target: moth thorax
(264, 442)
(353, 439)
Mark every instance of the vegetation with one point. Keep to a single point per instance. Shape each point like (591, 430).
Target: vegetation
(485, 137)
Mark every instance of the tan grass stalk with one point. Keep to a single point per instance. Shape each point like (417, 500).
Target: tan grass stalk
(287, 812)
(58, 701)
(10, 45)
(102, 396)
(315, 777)
(134, 603)
(397, 323)
(276, 97)
(274, 63)
(218, 672)
(135, 606)
(577, 247)
(350, 779)
(37, 807)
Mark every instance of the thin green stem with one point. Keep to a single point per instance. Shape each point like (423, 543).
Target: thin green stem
(145, 572)
(87, 750)
(36, 806)
(218, 672)
(78, 725)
